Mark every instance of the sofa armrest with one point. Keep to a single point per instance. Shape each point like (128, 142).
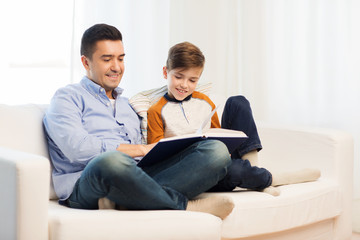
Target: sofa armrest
(24, 187)
(288, 148)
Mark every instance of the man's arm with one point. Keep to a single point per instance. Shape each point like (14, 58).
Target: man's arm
(63, 123)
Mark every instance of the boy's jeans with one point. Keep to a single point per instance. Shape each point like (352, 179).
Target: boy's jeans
(167, 185)
(238, 116)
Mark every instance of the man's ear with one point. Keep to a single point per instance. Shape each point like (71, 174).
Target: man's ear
(85, 62)
(165, 72)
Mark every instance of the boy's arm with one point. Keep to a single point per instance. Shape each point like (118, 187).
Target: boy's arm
(215, 123)
(155, 126)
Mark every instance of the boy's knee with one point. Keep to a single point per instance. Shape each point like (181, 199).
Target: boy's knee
(238, 101)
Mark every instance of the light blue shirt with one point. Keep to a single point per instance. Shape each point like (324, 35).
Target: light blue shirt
(80, 124)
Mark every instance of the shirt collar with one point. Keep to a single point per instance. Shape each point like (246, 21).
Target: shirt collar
(170, 99)
(96, 89)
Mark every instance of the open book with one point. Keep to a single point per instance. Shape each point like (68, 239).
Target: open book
(168, 147)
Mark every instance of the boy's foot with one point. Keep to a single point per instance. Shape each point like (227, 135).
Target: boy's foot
(220, 206)
(105, 203)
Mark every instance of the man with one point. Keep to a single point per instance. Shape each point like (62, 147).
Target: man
(94, 136)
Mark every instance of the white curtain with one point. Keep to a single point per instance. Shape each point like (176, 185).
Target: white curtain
(35, 47)
(144, 25)
(306, 68)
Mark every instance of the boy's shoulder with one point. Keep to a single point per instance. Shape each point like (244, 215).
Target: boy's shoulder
(202, 96)
(158, 105)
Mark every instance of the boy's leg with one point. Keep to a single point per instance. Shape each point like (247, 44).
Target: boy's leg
(242, 174)
(237, 115)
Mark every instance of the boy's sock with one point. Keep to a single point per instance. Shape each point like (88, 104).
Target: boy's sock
(220, 206)
(304, 175)
(105, 203)
(252, 156)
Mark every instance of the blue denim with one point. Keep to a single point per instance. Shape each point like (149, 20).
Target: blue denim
(167, 185)
(237, 115)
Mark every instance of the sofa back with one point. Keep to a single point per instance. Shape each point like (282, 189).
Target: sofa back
(21, 128)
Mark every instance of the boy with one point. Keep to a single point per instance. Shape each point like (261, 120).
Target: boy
(182, 109)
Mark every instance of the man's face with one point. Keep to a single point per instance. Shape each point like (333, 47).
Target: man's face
(106, 67)
(182, 82)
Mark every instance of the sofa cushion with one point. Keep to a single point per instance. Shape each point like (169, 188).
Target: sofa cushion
(66, 223)
(142, 101)
(257, 213)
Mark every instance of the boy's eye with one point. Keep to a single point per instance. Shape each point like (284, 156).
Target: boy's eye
(177, 77)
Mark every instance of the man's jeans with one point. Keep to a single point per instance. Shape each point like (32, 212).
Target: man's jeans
(167, 185)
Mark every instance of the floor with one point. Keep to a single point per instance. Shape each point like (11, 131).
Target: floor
(355, 236)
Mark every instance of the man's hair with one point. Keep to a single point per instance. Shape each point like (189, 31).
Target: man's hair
(96, 33)
(184, 55)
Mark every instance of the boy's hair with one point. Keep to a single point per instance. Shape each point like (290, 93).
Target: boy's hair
(96, 33)
(184, 55)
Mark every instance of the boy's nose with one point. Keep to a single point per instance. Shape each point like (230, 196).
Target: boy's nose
(183, 84)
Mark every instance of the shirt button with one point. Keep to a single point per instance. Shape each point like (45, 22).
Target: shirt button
(107, 104)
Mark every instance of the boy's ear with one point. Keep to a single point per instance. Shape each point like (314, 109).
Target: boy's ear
(85, 62)
(165, 72)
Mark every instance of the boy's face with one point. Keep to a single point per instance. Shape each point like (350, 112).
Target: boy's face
(106, 67)
(182, 82)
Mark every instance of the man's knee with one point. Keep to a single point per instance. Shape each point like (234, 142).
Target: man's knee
(112, 163)
(216, 152)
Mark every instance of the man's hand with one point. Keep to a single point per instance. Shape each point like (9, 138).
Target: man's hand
(133, 150)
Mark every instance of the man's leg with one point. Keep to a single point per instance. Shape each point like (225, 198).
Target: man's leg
(114, 175)
(194, 171)
(189, 173)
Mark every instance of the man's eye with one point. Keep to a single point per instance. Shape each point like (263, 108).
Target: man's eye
(106, 60)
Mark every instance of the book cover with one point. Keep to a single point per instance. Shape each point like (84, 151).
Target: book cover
(167, 147)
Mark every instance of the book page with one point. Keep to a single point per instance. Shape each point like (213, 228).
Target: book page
(206, 121)
(221, 132)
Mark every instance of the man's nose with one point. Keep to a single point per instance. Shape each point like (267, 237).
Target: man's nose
(115, 66)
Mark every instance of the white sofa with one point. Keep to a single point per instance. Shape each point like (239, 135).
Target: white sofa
(314, 210)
